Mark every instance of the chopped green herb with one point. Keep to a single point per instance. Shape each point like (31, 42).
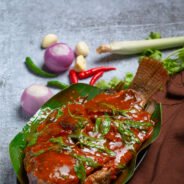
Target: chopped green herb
(152, 53)
(35, 154)
(80, 135)
(54, 115)
(75, 116)
(33, 135)
(153, 35)
(59, 113)
(123, 112)
(102, 84)
(82, 121)
(128, 80)
(36, 70)
(80, 170)
(114, 82)
(57, 84)
(39, 153)
(81, 124)
(174, 62)
(97, 146)
(121, 166)
(88, 161)
(114, 110)
(137, 124)
(127, 135)
(102, 125)
(91, 142)
(110, 107)
(105, 125)
(97, 124)
(59, 141)
(32, 138)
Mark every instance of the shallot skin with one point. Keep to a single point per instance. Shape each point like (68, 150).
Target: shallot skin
(58, 57)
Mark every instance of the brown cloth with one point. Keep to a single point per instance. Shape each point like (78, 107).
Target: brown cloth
(164, 162)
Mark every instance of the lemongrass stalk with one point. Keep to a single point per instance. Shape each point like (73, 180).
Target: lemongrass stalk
(136, 47)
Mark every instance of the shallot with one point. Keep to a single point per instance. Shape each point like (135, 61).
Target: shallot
(58, 57)
(34, 97)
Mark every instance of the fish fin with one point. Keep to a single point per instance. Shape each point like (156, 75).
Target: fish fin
(150, 77)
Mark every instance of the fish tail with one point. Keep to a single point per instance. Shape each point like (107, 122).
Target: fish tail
(150, 77)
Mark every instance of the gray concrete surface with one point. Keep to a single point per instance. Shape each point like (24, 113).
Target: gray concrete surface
(23, 24)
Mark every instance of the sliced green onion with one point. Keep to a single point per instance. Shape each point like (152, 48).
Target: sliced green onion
(36, 70)
(57, 84)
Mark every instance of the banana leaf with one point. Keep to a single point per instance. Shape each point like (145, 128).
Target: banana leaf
(19, 143)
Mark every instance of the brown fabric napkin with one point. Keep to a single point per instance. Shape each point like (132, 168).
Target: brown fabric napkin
(164, 162)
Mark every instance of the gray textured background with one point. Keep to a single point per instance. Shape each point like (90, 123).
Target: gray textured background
(23, 24)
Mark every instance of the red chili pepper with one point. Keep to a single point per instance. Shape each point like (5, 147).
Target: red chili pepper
(96, 77)
(92, 71)
(73, 76)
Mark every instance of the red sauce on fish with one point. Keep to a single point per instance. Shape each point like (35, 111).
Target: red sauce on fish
(74, 141)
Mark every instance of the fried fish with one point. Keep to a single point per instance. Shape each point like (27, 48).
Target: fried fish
(91, 142)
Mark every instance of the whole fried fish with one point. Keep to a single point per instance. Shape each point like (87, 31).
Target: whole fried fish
(91, 142)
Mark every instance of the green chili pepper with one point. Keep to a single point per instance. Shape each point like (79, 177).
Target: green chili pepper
(57, 84)
(36, 70)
